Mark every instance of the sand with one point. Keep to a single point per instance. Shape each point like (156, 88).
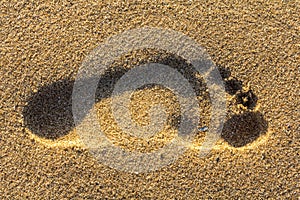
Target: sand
(255, 46)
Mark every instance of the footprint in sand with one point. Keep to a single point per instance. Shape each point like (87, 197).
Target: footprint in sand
(48, 114)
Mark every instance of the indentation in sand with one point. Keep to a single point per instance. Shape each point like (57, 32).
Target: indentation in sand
(48, 115)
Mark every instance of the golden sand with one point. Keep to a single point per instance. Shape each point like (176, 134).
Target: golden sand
(256, 47)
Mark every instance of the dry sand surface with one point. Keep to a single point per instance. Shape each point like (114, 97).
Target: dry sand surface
(256, 47)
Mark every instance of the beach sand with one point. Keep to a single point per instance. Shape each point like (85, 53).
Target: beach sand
(255, 47)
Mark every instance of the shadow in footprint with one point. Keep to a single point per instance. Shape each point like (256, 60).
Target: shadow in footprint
(243, 129)
(247, 99)
(48, 112)
(232, 85)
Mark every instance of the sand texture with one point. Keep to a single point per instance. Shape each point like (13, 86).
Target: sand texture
(256, 47)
